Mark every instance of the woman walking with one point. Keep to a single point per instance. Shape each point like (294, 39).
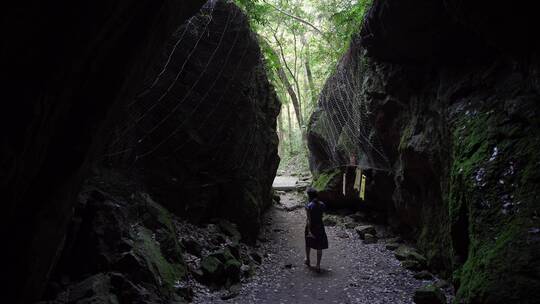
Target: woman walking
(315, 234)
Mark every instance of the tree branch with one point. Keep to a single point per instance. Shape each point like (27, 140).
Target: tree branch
(316, 29)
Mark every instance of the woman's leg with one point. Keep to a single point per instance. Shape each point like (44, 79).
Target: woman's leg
(319, 255)
(307, 261)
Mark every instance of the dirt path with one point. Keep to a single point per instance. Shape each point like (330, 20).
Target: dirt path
(353, 272)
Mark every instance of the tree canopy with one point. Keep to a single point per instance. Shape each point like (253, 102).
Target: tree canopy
(302, 41)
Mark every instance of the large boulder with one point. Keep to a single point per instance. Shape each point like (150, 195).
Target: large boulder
(122, 80)
(201, 133)
(67, 66)
(131, 235)
(429, 295)
(450, 93)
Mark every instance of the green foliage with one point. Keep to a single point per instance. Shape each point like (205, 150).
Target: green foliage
(294, 34)
(147, 248)
(323, 180)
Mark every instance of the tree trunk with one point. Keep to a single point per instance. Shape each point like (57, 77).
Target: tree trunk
(294, 99)
(290, 130)
(281, 134)
(309, 75)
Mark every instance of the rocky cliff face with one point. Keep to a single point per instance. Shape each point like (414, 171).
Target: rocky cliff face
(453, 92)
(76, 73)
(201, 132)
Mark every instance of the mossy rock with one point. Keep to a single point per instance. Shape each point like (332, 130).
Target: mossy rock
(392, 246)
(429, 295)
(213, 269)
(411, 265)
(230, 229)
(164, 272)
(325, 181)
(408, 253)
(95, 289)
(330, 220)
(232, 270)
(223, 255)
(424, 275)
(370, 239)
(228, 266)
(365, 229)
(493, 204)
(350, 225)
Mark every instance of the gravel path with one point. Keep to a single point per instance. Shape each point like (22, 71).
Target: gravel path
(352, 272)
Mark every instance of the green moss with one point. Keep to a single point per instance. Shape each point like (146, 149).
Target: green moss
(499, 270)
(502, 263)
(159, 214)
(211, 265)
(406, 134)
(166, 273)
(323, 179)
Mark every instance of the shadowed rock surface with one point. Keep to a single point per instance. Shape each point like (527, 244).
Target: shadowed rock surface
(67, 66)
(81, 75)
(201, 131)
(454, 101)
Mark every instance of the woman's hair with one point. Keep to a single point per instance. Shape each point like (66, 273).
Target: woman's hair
(311, 193)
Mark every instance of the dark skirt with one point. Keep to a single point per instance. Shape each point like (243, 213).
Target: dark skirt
(319, 240)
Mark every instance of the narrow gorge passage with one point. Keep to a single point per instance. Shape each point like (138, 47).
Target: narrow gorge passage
(351, 271)
(141, 140)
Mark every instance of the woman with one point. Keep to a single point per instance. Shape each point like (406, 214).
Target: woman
(315, 235)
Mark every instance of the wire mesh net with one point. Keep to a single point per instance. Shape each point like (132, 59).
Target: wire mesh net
(344, 122)
(194, 96)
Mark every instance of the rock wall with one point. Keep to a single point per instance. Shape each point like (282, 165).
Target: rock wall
(453, 93)
(71, 69)
(202, 131)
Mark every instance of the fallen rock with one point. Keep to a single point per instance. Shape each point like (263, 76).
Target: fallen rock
(185, 291)
(442, 284)
(256, 257)
(245, 270)
(358, 217)
(232, 270)
(342, 235)
(391, 246)
(408, 253)
(234, 249)
(229, 229)
(192, 246)
(395, 240)
(94, 289)
(369, 239)
(350, 225)
(212, 269)
(423, 275)
(411, 265)
(365, 229)
(219, 239)
(229, 295)
(429, 295)
(294, 207)
(131, 264)
(329, 220)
